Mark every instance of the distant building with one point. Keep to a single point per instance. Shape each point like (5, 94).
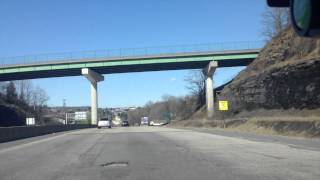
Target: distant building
(80, 116)
(30, 121)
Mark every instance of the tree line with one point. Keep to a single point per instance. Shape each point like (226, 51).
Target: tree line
(171, 107)
(21, 99)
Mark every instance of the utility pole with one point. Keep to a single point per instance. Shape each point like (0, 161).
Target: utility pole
(64, 104)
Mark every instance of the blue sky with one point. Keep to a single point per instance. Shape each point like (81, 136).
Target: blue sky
(47, 26)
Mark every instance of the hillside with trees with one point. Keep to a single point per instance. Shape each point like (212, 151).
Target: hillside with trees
(20, 99)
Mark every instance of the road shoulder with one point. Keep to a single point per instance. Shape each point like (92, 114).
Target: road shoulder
(294, 142)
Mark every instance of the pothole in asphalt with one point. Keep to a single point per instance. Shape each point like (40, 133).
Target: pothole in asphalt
(115, 164)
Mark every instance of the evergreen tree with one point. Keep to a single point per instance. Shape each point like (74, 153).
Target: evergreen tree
(11, 93)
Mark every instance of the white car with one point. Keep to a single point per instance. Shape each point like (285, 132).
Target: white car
(156, 123)
(104, 122)
(151, 123)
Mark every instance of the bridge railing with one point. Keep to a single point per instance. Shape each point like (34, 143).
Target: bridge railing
(129, 52)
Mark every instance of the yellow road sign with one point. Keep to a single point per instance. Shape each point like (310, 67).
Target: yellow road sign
(223, 105)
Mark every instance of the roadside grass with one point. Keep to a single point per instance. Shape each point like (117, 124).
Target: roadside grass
(290, 126)
(287, 125)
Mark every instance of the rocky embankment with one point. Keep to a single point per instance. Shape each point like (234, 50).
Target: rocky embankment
(278, 93)
(285, 75)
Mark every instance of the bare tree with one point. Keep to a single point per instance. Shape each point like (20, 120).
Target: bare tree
(274, 20)
(169, 108)
(134, 116)
(3, 91)
(39, 100)
(24, 90)
(11, 93)
(179, 108)
(3, 86)
(196, 84)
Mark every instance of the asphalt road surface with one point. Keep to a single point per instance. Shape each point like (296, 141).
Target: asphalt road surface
(139, 153)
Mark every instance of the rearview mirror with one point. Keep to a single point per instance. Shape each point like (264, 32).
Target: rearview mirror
(277, 3)
(305, 15)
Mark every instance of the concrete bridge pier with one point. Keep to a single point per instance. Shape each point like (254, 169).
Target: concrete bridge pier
(208, 72)
(93, 78)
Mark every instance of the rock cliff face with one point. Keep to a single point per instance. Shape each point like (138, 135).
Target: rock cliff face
(285, 75)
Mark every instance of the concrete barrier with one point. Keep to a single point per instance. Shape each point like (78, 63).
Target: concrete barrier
(20, 132)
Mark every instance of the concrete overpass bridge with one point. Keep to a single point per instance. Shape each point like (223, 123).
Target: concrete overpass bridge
(93, 64)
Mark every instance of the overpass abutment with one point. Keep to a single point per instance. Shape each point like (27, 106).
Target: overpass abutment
(93, 78)
(209, 85)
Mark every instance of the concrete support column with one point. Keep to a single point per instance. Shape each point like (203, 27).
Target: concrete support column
(94, 78)
(208, 72)
(209, 96)
(94, 103)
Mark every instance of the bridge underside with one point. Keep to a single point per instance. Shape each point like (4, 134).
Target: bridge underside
(36, 74)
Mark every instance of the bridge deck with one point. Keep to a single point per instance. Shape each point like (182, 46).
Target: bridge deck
(126, 63)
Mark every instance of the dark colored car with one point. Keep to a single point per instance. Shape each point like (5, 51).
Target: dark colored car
(125, 124)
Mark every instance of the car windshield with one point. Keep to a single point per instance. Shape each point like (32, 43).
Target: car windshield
(159, 89)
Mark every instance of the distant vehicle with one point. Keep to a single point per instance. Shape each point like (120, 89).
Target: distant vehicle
(104, 122)
(151, 123)
(125, 124)
(144, 121)
(158, 123)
